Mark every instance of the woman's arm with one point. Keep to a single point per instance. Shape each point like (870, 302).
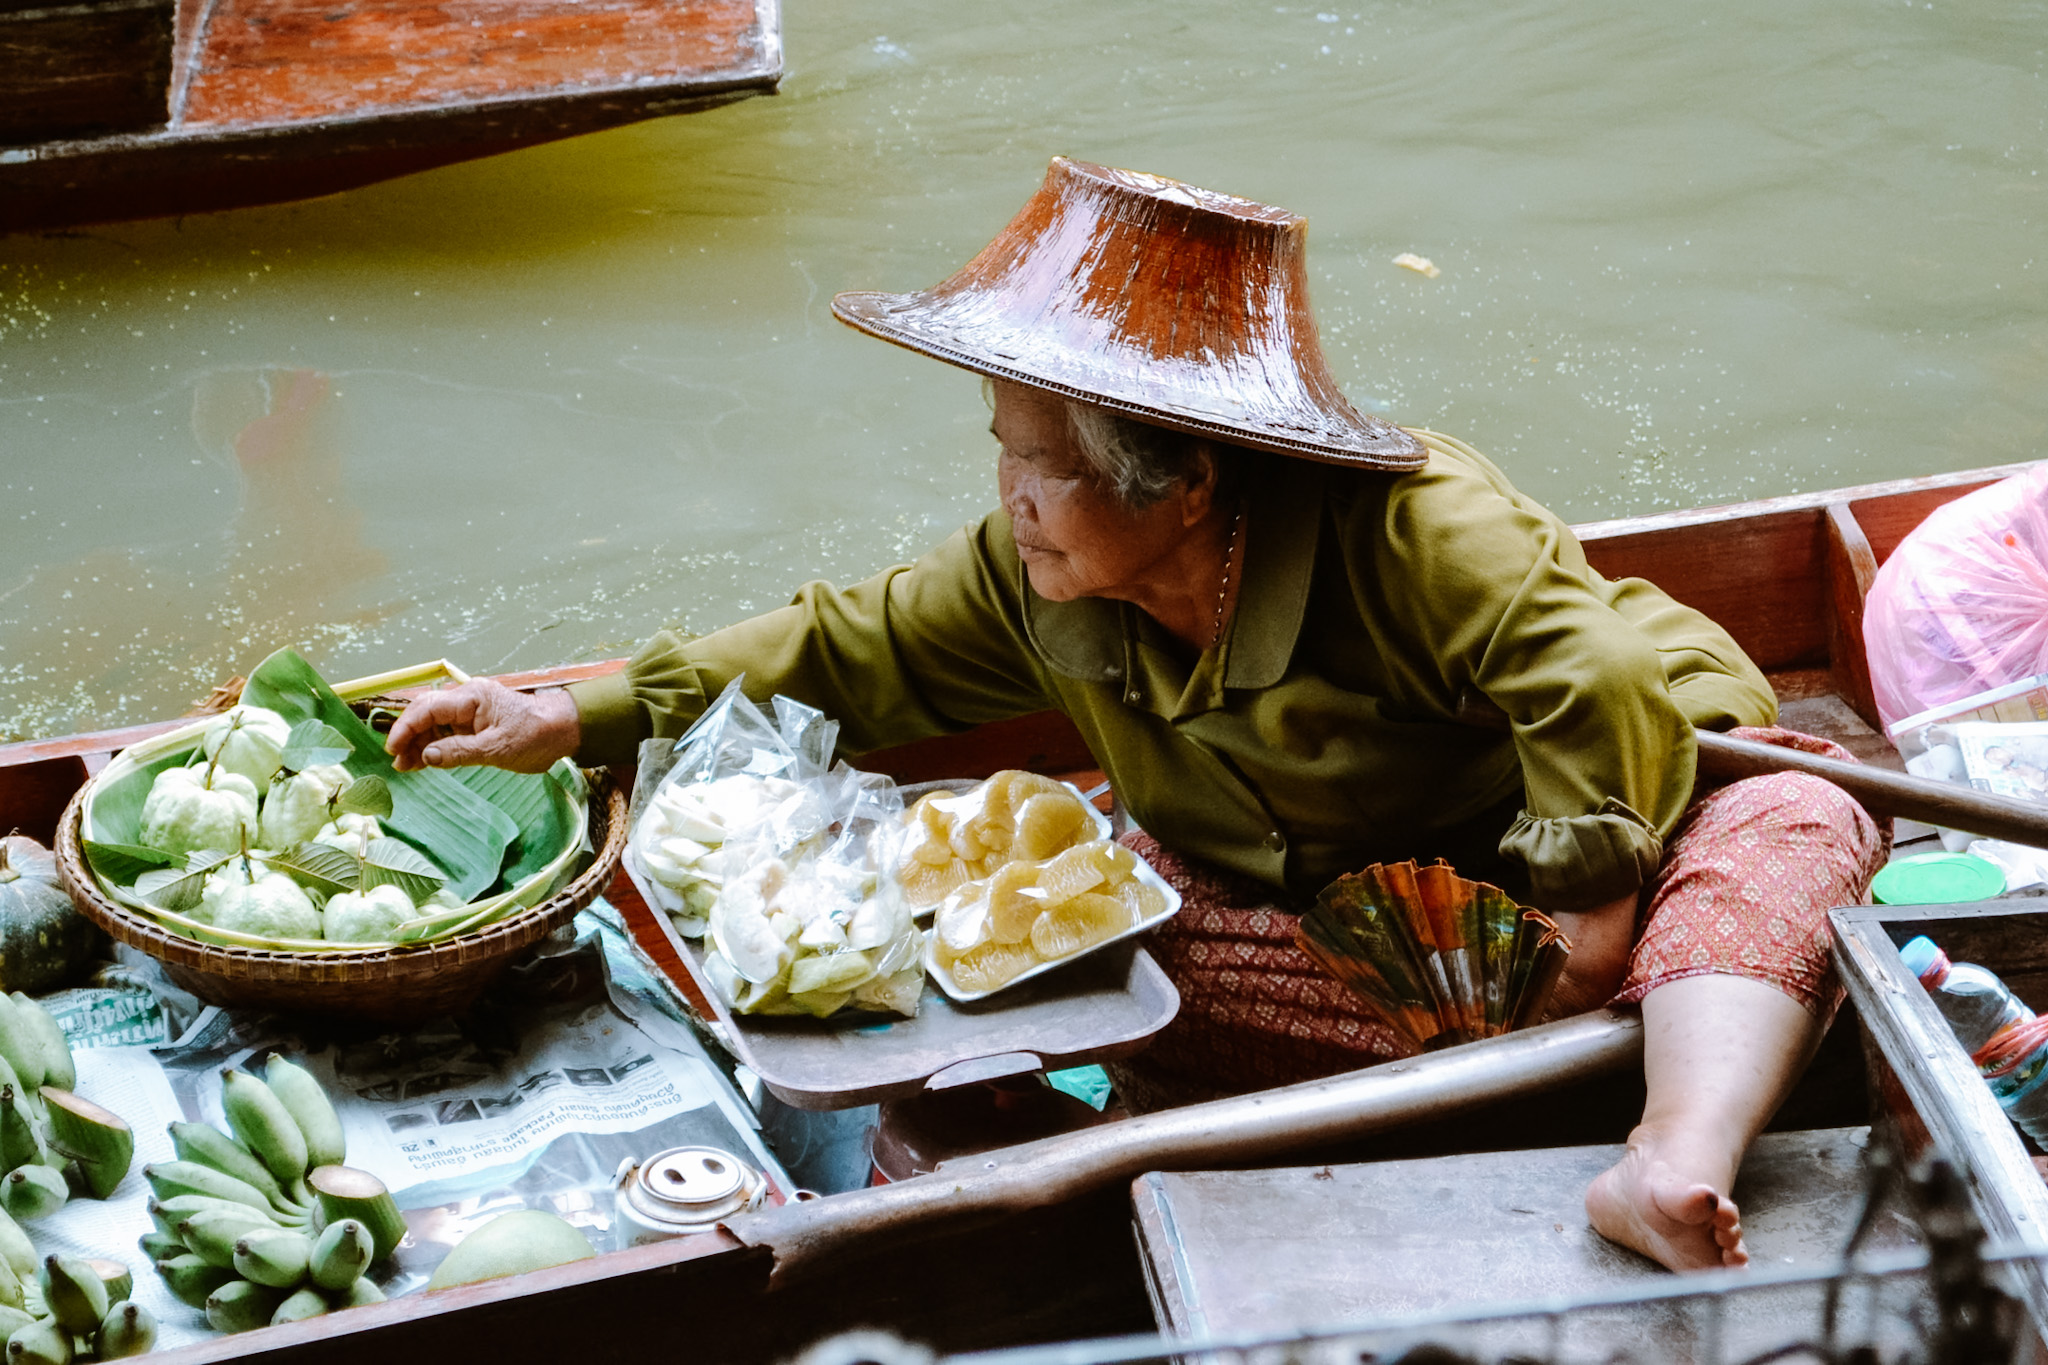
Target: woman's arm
(483, 722)
(923, 649)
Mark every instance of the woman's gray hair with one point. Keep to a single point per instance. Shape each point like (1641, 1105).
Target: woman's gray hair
(1138, 461)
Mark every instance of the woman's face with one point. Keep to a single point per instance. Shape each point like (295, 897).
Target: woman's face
(1076, 537)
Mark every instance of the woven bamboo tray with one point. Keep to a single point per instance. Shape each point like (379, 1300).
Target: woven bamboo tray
(388, 986)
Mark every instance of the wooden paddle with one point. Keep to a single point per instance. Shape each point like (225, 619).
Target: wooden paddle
(1881, 791)
(1878, 790)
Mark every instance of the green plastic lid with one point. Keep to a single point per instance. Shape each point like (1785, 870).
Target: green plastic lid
(1937, 879)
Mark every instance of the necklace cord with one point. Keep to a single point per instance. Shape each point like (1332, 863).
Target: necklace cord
(1223, 592)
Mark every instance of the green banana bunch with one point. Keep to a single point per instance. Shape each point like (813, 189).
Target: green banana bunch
(45, 1129)
(273, 1256)
(240, 1305)
(192, 1278)
(182, 1179)
(259, 1118)
(126, 1330)
(339, 1258)
(54, 1144)
(248, 1275)
(78, 1310)
(73, 1292)
(263, 1224)
(213, 1233)
(31, 1192)
(20, 1143)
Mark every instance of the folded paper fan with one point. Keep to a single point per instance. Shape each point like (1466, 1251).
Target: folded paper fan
(1445, 960)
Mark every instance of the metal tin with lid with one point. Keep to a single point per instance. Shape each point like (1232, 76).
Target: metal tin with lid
(681, 1191)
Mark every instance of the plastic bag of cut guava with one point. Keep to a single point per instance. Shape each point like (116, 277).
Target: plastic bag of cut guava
(757, 842)
(1961, 607)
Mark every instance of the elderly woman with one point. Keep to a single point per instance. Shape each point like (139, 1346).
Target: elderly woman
(1275, 622)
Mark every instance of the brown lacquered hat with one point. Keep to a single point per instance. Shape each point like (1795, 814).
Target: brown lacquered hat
(1173, 304)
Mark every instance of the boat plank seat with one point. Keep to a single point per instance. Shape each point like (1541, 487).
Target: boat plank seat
(1265, 1252)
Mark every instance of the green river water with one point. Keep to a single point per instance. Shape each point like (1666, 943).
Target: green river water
(524, 411)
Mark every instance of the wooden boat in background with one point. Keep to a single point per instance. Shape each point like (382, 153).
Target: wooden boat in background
(122, 109)
(1051, 1258)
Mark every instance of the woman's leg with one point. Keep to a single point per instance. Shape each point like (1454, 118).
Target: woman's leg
(1720, 1053)
(1733, 973)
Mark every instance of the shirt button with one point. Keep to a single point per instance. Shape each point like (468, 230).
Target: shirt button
(1134, 696)
(1276, 842)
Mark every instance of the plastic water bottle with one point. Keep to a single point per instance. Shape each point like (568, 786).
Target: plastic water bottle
(1980, 1008)
(1975, 1002)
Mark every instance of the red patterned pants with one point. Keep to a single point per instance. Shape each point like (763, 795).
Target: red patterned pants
(1745, 886)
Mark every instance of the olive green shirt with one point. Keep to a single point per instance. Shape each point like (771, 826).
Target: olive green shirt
(1323, 732)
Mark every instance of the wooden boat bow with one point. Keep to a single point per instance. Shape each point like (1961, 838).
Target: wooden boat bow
(810, 1236)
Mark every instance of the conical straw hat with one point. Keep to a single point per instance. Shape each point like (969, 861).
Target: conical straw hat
(1176, 305)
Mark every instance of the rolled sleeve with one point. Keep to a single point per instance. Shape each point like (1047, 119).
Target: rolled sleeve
(1581, 862)
(610, 720)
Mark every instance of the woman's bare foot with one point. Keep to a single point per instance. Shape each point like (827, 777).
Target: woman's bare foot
(1649, 1205)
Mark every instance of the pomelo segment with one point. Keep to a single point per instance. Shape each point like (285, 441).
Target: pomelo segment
(511, 1244)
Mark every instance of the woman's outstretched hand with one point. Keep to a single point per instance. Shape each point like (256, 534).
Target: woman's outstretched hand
(482, 722)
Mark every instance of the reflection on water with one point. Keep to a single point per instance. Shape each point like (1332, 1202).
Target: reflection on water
(289, 566)
(528, 409)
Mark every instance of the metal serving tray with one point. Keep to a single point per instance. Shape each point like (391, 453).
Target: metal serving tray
(1102, 1006)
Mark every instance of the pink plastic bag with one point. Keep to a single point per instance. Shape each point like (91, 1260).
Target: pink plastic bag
(1961, 607)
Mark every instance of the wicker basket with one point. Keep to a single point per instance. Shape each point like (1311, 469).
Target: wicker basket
(388, 986)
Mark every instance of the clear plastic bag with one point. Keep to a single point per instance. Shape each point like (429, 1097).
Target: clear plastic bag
(1961, 607)
(758, 842)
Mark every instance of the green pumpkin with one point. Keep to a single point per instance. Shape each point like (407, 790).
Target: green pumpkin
(44, 942)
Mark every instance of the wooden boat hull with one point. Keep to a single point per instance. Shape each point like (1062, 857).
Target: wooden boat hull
(1785, 576)
(270, 102)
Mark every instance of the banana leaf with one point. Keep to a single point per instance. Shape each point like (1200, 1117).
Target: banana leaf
(125, 862)
(434, 811)
(548, 819)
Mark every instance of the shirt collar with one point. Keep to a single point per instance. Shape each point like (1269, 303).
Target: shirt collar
(1094, 639)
